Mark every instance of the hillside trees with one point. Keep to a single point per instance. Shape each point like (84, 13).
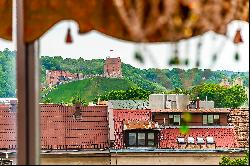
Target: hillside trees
(153, 80)
(224, 97)
(7, 73)
(132, 93)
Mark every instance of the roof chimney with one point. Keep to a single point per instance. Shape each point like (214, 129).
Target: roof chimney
(198, 103)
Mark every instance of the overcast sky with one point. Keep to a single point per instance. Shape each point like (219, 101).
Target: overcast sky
(94, 45)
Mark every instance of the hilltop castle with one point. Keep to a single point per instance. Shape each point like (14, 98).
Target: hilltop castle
(112, 67)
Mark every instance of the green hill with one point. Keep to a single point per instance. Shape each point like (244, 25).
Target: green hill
(88, 89)
(153, 79)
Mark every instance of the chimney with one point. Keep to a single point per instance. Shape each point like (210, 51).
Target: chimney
(198, 103)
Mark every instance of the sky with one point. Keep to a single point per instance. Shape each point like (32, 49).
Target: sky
(94, 45)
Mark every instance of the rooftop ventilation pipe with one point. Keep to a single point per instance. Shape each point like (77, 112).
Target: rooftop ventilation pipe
(206, 103)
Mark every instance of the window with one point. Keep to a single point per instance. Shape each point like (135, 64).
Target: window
(132, 139)
(200, 140)
(210, 140)
(191, 140)
(181, 140)
(211, 119)
(140, 139)
(204, 119)
(216, 119)
(175, 119)
(151, 139)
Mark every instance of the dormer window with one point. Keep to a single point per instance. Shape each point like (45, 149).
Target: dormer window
(181, 140)
(200, 140)
(141, 138)
(210, 140)
(190, 140)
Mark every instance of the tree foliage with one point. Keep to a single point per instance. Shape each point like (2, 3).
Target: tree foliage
(77, 99)
(132, 93)
(237, 161)
(47, 100)
(153, 80)
(7, 73)
(224, 97)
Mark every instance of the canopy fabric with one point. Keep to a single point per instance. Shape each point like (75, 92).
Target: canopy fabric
(6, 19)
(138, 21)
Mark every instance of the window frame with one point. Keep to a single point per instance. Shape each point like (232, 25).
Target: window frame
(28, 85)
(146, 140)
(213, 123)
(180, 119)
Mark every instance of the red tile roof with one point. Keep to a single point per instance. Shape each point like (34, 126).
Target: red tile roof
(224, 137)
(59, 130)
(7, 127)
(214, 110)
(125, 115)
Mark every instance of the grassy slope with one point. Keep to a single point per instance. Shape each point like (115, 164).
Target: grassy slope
(88, 88)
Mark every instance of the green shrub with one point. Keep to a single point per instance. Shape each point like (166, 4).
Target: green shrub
(225, 160)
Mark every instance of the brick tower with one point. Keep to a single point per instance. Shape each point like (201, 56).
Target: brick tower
(112, 67)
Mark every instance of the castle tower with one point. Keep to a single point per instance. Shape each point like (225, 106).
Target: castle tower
(112, 67)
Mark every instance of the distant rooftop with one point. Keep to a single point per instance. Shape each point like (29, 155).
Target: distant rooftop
(215, 110)
(153, 150)
(128, 104)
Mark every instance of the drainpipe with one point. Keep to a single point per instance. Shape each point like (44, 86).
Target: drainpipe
(115, 157)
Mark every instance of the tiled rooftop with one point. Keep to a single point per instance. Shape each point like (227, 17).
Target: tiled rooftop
(128, 104)
(214, 110)
(59, 129)
(125, 115)
(223, 137)
(153, 150)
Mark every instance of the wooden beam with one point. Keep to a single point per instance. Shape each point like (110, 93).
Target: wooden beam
(28, 114)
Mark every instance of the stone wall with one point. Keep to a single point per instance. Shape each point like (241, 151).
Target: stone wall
(239, 118)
